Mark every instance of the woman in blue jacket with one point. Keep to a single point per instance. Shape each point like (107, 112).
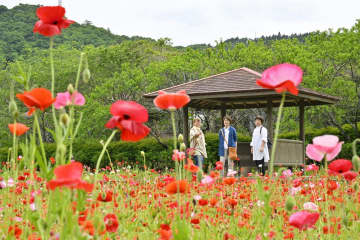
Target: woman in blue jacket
(227, 138)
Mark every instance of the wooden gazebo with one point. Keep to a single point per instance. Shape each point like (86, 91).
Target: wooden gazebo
(237, 89)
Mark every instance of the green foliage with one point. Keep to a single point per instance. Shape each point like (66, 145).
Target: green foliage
(159, 157)
(16, 34)
(125, 70)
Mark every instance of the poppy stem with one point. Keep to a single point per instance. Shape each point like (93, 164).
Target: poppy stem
(14, 152)
(52, 78)
(271, 167)
(41, 142)
(102, 154)
(172, 113)
(354, 146)
(79, 71)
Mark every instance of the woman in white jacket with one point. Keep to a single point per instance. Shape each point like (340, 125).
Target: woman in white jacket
(259, 146)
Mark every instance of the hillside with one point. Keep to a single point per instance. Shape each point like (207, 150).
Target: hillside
(16, 33)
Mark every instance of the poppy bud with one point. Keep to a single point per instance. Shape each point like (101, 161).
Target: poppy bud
(64, 119)
(12, 106)
(86, 178)
(356, 163)
(61, 149)
(356, 186)
(13, 109)
(86, 75)
(182, 147)
(70, 89)
(181, 138)
(142, 153)
(346, 221)
(290, 203)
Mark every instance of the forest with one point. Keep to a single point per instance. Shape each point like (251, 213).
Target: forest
(125, 67)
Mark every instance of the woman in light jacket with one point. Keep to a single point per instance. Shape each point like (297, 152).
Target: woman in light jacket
(197, 142)
(227, 138)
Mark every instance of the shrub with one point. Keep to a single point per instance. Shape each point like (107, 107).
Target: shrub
(158, 157)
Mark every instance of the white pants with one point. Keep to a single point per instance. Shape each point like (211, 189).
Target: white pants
(230, 162)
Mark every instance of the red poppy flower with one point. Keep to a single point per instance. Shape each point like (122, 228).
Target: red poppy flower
(191, 167)
(303, 219)
(219, 165)
(229, 180)
(69, 175)
(195, 221)
(214, 174)
(350, 175)
(165, 232)
(340, 166)
(18, 129)
(228, 236)
(203, 202)
(213, 202)
(171, 101)
(111, 223)
(40, 98)
(128, 117)
(51, 21)
(232, 202)
(15, 230)
(177, 186)
(281, 78)
(105, 197)
(88, 227)
(332, 185)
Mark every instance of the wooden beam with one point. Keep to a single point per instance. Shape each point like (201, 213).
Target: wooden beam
(223, 113)
(186, 125)
(269, 118)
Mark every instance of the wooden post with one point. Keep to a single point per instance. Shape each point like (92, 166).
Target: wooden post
(223, 114)
(269, 119)
(301, 126)
(186, 125)
(301, 121)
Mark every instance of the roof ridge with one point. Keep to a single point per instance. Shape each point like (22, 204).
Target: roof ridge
(201, 79)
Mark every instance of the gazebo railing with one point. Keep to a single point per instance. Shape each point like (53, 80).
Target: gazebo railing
(288, 153)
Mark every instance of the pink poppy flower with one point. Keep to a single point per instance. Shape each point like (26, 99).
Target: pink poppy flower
(281, 78)
(303, 219)
(178, 156)
(310, 206)
(65, 99)
(287, 173)
(312, 167)
(231, 173)
(207, 180)
(328, 145)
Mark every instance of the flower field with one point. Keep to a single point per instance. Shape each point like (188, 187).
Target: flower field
(56, 197)
(132, 204)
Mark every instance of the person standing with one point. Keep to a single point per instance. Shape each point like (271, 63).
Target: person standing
(197, 142)
(259, 146)
(227, 138)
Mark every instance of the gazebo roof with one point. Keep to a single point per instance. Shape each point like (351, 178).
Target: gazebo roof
(237, 89)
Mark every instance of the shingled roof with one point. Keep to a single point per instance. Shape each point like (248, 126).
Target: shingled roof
(238, 89)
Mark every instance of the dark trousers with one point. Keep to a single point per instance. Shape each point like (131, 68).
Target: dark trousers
(260, 164)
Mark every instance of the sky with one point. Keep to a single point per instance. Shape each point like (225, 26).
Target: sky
(188, 22)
